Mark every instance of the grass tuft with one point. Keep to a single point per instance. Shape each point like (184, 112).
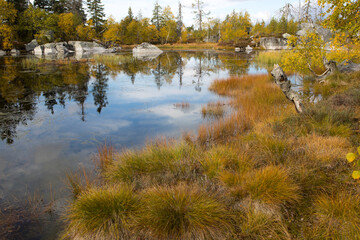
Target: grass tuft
(183, 212)
(272, 185)
(102, 213)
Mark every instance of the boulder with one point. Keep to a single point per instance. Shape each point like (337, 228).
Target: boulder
(80, 46)
(14, 52)
(325, 34)
(286, 35)
(31, 45)
(272, 43)
(49, 48)
(39, 50)
(146, 49)
(2, 53)
(61, 48)
(248, 48)
(237, 49)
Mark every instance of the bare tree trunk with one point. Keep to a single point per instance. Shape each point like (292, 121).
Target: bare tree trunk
(285, 85)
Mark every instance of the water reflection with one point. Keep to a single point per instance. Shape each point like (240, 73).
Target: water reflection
(54, 116)
(22, 90)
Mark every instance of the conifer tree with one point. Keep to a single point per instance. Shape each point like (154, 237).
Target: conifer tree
(96, 12)
(157, 18)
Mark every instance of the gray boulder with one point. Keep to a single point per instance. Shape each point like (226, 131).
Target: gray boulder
(80, 46)
(272, 43)
(50, 48)
(325, 34)
(61, 48)
(14, 52)
(39, 50)
(286, 35)
(2, 53)
(31, 45)
(146, 49)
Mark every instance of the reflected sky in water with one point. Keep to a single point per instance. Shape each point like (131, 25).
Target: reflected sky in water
(53, 117)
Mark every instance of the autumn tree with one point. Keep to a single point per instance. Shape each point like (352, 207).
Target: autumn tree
(168, 31)
(235, 27)
(7, 18)
(199, 12)
(68, 23)
(342, 15)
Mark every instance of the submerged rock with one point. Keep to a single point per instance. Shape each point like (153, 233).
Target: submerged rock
(31, 45)
(146, 48)
(272, 43)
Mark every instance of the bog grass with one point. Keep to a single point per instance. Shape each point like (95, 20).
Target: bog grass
(261, 171)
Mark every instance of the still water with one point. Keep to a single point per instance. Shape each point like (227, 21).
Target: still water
(54, 117)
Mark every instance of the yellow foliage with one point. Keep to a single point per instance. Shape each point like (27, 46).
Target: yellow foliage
(7, 17)
(86, 32)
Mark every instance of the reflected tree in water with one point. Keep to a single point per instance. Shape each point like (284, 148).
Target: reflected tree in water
(99, 86)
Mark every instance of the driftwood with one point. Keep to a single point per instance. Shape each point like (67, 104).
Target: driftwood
(285, 85)
(332, 67)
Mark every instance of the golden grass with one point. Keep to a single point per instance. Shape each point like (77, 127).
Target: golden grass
(214, 110)
(183, 212)
(102, 212)
(272, 185)
(261, 172)
(269, 58)
(325, 149)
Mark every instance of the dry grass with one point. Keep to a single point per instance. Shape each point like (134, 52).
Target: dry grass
(262, 172)
(183, 212)
(182, 105)
(213, 110)
(272, 185)
(105, 212)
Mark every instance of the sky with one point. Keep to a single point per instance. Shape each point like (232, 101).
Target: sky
(258, 9)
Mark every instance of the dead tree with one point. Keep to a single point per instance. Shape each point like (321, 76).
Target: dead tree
(285, 85)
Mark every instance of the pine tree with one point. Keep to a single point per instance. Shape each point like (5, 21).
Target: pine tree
(96, 12)
(157, 18)
(130, 14)
(20, 5)
(76, 7)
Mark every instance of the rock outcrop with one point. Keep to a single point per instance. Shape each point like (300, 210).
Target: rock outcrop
(31, 45)
(2, 53)
(39, 50)
(272, 43)
(146, 51)
(72, 46)
(325, 34)
(146, 48)
(80, 46)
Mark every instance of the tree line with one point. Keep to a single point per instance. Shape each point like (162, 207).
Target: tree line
(64, 20)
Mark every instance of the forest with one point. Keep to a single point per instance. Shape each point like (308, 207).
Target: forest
(65, 20)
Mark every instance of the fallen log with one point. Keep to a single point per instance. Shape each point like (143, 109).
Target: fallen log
(285, 85)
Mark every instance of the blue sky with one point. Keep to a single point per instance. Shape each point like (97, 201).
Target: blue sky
(258, 9)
